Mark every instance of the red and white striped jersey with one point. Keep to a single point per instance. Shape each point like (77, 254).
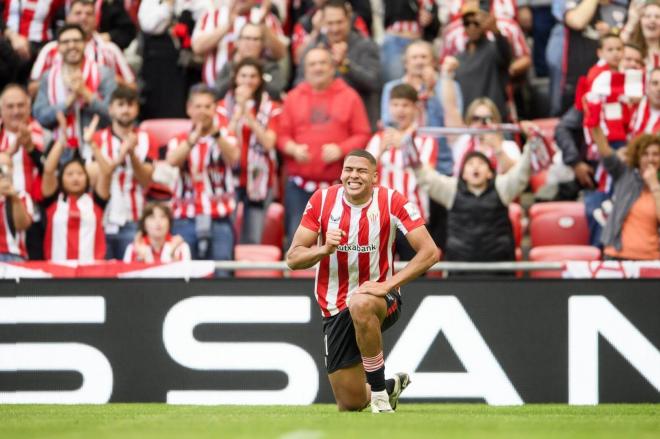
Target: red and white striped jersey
(455, 38)
(499, 8)
(25, 173)
(104, 53)
(645, 119)
(126, 194)
(393, 174)
(31, 18)
(13, 242)
(167, 253)
(366, 251)
(219, 17)
(206, 186)
(74, 228)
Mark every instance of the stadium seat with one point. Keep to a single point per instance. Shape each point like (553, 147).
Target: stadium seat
(515, 215)
(537, 181)
(257, 253)
(238, 222)
(162, 130)
(274, 226)
(561, 253)
(576, 207)
(559, 228)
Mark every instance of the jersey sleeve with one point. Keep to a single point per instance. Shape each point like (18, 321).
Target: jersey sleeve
(311, 218)
(405, 214)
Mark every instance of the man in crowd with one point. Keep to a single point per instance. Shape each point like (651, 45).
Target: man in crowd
(355, 224)
(16, 212)
(76, 86)
(647, 117)
(322, 120)
(105, 53)
(217, 31)
(204, 200)
(356, 58)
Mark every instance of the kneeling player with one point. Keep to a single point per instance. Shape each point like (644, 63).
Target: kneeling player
(356, 287)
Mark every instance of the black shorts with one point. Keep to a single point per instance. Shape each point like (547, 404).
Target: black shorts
(341, 349)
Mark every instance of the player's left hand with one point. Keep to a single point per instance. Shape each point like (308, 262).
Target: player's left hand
(374, 288)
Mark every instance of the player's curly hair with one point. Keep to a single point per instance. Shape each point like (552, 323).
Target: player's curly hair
(637, 146)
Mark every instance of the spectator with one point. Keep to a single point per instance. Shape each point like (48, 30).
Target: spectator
(322, 120)
(97, 49)
(73, 206)
(130, 152)
(479, 229)
(385, 147)
(248, 111)
(484, 65)
(498, 8)
(115, 24)
(405, 22)
(167, 55)
(535, 17)
(554, 55)
(503, 154)
(16, 212)
(250, 44)
(205, 200)
(77, 87)
(308, 28)
(643, 30)
(28, 28)
(356, 58)
(647, 116)
(569, 138)
(218, 29)
(586, 22)
(9, 59)
(153, 243)
(631, 231)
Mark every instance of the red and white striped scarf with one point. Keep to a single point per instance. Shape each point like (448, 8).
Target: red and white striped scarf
(58, 94)
(644, 120)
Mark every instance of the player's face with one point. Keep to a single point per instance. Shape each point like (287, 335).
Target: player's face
(612, 52)
(83, 15)
(417, 59)
(123, 112)
(403, 112)
(157, 225)
(476, 172)
(358, 177)
(632, 59)
(14, 108)
(74, 179)
(650, 157)
(653, 91)
(337, 24)
(71, 46)
(201, 110)
(650, 22)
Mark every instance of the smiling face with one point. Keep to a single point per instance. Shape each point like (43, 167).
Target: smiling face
(358, 177)
(650, 22)
(71, 45)
(337, 24)
(476, 173)
(14, 108)
(248, 76)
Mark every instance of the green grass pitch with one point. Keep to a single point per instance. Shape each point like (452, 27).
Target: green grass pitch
(160, 421)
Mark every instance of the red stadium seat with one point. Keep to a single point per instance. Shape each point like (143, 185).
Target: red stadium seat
(515, 215)
(257, 253)
(537, 181)
(575, 207)
(274, 226)
(561, 253)
(559, 228)
(162, 130)
(238, 222)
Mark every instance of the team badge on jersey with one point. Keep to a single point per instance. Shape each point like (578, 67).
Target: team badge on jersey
(412, 210)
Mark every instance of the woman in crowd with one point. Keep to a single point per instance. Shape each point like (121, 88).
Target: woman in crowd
(154, 243)
(74, 203)
(631, 231)
(248, 111)
(644, 30)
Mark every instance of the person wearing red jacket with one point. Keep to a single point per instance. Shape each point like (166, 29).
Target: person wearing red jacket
(322, 120)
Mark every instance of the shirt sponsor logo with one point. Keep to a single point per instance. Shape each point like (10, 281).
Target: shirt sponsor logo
(369, 248)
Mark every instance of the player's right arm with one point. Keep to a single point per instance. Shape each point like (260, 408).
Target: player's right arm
(304, 252)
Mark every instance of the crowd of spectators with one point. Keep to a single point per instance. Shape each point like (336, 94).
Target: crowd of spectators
(277, 92)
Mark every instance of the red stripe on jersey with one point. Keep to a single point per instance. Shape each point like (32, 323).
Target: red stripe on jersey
(323, 275)
(4, 247)
(384, 234)
(99, 235)
(364, 259)
(73, 229)
(342, 257)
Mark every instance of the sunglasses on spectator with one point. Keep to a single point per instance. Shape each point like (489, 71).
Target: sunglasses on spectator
(468, 23)
(485, 120)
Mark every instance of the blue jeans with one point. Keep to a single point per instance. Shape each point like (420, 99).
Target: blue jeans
(592, 201)
(543, 21)
(116, 243)
(219, 248)
(554, 54)
(391, 57)
(254, 214)
(9, 257)
(295, 201)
